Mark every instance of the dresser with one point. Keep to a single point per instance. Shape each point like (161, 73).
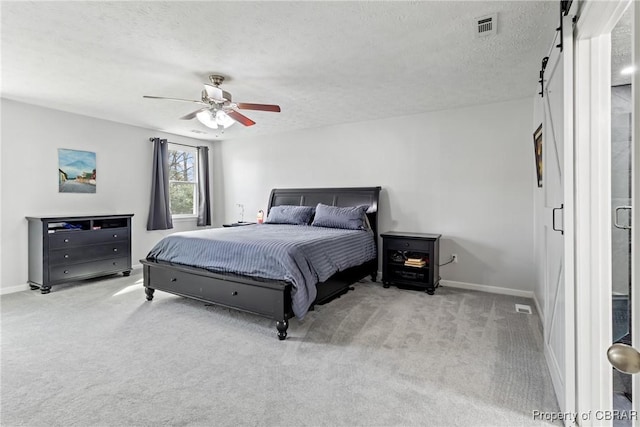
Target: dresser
(64, 249)
(411, 259)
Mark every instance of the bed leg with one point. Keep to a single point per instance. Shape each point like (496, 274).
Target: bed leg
(149, 292)
(282, 326)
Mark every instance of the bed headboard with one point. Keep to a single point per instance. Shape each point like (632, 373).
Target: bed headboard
(330, 196)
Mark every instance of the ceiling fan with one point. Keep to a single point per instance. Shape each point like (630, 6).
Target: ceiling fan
(218, 108)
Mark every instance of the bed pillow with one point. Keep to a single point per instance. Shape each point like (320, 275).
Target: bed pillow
(287, 214)
(351, 218)
(367, 224)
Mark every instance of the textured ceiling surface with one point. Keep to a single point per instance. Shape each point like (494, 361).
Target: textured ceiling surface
(621, 38)
(323, 62)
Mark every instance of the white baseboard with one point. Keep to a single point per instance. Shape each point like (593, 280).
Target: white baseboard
(13, 289)
(540, 312)
(486, 288)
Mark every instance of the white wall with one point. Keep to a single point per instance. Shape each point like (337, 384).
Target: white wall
(466, 173)
(31, 137)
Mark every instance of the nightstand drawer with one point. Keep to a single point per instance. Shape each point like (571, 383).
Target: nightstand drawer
(408, 245)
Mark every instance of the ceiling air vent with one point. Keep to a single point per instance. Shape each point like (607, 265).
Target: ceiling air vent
(487, 25)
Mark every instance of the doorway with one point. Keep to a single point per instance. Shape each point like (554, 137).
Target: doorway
(598, 322)
(621, 200)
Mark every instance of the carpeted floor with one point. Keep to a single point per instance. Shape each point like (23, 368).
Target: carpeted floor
(99, 354)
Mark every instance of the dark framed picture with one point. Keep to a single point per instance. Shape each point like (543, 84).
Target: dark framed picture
(537, 147)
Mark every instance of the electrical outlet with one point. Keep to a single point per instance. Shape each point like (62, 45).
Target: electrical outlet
(455, 258)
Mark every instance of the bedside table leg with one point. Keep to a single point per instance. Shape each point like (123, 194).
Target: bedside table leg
(149, 292)
(45, 290)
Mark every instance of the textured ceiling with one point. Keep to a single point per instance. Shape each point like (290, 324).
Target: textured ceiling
(621, 38)
(323, 62)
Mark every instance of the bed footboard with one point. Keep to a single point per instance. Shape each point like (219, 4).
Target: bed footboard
(267, 298)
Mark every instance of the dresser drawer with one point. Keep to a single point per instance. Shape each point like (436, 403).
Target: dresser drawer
(232, 294)
(400, 244)
(78, 238)
(86, 269)
(77, 254)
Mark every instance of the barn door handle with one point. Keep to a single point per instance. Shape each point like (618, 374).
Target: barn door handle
(553, 216)
(615, 221)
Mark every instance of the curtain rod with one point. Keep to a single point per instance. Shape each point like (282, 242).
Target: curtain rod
(177, 143)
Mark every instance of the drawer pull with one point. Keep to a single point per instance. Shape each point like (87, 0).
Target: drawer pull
(115, 263)
(115, 235)
(66, 240)
(407, 244)
(115, 249)
(173, 279)
(66, 272)
(66, 255)
(234, 293)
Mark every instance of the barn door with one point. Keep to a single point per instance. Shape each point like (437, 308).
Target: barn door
(558, 210)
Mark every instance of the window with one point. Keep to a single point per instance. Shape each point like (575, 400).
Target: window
(183, 176)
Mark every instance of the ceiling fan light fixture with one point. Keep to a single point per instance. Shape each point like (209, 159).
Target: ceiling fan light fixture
(214, 119)
(207, 118)
(223, 119)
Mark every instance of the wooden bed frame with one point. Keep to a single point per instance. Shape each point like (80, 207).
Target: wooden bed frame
(268, 298)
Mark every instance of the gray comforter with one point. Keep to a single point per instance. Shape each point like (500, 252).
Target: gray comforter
(300, 254)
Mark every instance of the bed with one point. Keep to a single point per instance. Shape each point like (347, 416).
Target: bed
(260, 290)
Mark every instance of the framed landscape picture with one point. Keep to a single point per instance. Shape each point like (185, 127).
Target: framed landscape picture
(537, 146)
(76, 171)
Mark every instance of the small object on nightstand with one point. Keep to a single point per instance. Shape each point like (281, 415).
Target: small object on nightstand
(241, 206)
(411, 259)
(260, 216)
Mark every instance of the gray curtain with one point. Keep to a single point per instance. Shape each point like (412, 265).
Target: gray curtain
(204, 199)
(159, 210)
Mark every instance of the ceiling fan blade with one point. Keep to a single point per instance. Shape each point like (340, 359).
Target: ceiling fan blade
(173, 99)
(240, 118)
(193, 114)
(260, 107)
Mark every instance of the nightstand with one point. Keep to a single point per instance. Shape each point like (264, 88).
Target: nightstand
(237, 224)
(411, 259)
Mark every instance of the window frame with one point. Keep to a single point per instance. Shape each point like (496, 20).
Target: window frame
(185, 148)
